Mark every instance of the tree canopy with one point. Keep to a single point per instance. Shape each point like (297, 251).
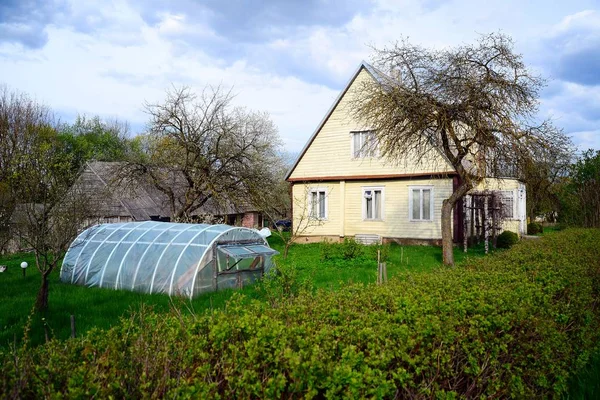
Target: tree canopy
(200, 148)
(477, 104)
(40, 204)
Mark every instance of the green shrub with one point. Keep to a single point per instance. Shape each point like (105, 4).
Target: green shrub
(348, 250)
(506, 240)
(328, 250)
(519, 324)
(283, 283)
(534, 228)
(384, 251)
(351, 249)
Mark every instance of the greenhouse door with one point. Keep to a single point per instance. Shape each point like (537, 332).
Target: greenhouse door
(240, 264)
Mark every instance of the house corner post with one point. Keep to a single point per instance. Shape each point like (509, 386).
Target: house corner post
(291, 193)
(342, 208)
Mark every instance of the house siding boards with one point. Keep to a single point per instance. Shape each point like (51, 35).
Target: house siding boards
(333, 141)
(328, 162)
(395, 222)
(331, 225)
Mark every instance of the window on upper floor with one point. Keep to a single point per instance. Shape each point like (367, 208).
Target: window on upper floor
(420, 203)
(364, 144)
(317, 201)
(373, 203)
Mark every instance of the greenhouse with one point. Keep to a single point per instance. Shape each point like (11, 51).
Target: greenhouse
(162, 257)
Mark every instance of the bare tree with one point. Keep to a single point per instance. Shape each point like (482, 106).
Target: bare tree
(201, 148)
(476, 104)
(51, 224)
(40, 205)
(20, 117)
(543, 168)
(304, 220)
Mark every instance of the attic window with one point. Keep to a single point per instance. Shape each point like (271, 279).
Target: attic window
(364, 144)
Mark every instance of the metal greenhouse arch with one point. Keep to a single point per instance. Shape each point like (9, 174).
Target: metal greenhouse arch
(163, 257)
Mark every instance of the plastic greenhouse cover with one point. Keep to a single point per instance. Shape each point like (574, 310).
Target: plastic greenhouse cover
(247, 251)
(155, 257)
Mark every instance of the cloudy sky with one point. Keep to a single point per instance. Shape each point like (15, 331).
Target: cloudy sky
(290, 58)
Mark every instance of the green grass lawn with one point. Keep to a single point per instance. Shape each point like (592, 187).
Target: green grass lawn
(550, 229)
(96, 307)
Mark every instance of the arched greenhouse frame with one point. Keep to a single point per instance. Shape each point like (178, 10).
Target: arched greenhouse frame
(162, 257)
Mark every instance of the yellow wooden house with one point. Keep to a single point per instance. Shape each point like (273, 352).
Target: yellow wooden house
(341, 187)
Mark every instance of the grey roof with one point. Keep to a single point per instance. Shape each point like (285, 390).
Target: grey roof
(133, 197)
(120, 198)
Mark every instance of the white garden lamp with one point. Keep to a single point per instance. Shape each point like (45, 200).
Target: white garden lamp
(24, 267)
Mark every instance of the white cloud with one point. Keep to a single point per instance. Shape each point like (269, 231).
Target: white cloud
(80, 73)
(587, 139)
(587, 20)
(105, 58)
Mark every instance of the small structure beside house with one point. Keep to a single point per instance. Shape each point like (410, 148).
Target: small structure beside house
(163, 257)
(340, 179)
(129, 200)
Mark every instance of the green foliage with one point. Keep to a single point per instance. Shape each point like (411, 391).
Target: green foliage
(102, 308)
(347, 250)
(506, 240)
(534, 228)
(94, 139)
(578, 194)
(283, 283)
(351, 249)
(520, 324)
(328, 250)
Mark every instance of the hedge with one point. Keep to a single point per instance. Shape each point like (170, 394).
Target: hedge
(534, 228)
(507, 239)
(516, 324)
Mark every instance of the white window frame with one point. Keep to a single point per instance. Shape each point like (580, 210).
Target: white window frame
(431, 202)
(364, 202)
(506, 193)
(373, 153)
(311, 206)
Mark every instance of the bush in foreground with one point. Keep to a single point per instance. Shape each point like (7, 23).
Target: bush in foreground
(517, 324)
(534, 228)
(506, 240)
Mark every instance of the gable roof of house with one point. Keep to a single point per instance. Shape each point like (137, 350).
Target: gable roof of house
(363, 65)
(382, 79)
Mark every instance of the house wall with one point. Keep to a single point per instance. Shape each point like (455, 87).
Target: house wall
(518, 224)
(345, 209)
(328, 163)
(334, 142)
(250, 220)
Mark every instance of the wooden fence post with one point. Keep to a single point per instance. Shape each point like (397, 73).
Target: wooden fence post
(486, 231)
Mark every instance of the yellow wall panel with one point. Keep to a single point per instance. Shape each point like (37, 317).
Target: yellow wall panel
(334, 142)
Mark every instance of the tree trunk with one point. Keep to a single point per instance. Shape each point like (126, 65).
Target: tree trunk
(447, 207)
(447, 246)
(286, 249)
(41, 302)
